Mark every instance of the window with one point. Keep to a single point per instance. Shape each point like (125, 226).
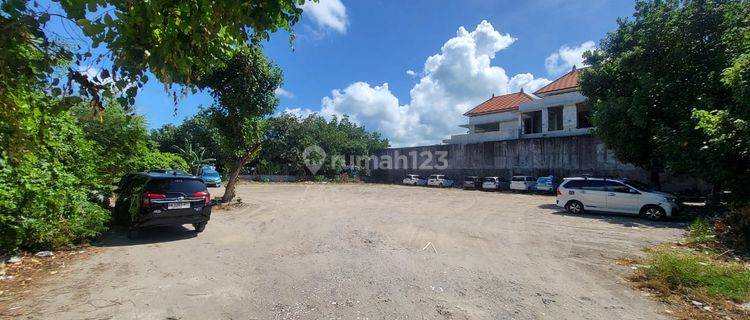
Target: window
(532, 122)
(184, 186)
(583, 111)
(594, 185)
(613, 186)
(555, 118)
(573, 184)
(487, 127)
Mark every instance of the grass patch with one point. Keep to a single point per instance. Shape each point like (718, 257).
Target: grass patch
(694, 272)
(700, 231)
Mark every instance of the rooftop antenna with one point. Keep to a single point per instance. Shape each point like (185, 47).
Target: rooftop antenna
(493, 95)
(574, 68)
(521, 89)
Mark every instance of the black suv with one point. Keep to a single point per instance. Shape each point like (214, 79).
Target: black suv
(166, 198)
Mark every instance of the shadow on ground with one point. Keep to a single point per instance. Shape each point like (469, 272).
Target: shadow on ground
(118, 236)
(626, 220)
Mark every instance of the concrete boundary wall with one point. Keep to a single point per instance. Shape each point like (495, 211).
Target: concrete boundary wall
(558, 156)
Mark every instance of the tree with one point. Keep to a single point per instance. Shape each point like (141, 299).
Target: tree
(243, 88)
(197, 133)
(658, 83)
(177, 41)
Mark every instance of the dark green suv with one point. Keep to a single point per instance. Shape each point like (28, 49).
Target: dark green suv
(167, 198)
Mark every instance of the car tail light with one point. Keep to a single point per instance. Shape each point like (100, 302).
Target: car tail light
(148, 196)
(205, 195)
(558, 192)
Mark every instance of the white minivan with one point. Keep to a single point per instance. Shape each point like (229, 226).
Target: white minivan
(522, 183)
(439, 180)
(615, 195)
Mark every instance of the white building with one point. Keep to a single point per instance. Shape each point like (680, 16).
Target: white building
(557, 109)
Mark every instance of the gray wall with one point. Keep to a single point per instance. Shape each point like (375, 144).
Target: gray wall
(558, 156)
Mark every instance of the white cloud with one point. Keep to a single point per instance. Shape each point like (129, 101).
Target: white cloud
(327, 14)
(527, 82)
(566, 57)
(299, 112)
(411, 72)
(453, 81)
(281, 92)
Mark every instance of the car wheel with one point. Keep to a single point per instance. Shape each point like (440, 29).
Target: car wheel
(133, 233)
(653, 212)
(574, 207)
(199, 227)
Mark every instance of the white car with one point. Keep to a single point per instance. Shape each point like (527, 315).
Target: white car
(414, 180)
(612, 195)
(491, 183)
(522, 183)
(439, 180)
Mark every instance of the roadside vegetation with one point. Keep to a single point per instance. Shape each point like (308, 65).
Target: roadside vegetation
(284, 141)
(67, 127)
(700, 278)
(670, 93)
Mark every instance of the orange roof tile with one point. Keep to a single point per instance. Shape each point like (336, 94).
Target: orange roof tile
(502, 103)
(567, 81)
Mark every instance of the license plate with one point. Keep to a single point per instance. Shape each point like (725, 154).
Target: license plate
(178, 205)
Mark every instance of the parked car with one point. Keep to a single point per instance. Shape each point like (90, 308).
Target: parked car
(210, 176)
(439, 180)
(414, 180)
(613, 195)
(547, 184)
(491, 183)
(522, 183)
(472, 182)
(160, 199)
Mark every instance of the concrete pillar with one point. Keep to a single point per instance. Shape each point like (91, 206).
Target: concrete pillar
(545, 120)
(570, 117)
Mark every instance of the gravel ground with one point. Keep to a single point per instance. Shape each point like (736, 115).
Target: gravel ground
(312, 251)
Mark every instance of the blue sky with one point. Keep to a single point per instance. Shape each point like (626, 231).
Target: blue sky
(352, 57)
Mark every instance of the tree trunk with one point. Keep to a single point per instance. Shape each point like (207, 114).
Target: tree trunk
(655, 180)
(234, 172)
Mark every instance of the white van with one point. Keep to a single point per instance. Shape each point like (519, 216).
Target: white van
(614, 195)
(522, 183)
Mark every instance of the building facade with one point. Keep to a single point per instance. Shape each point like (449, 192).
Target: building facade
(557, 109)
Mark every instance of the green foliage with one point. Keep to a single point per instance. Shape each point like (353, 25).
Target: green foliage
(177, 40)
(163, 160)
(244, 89)
(287, 136)
(51, 196)
(695, 271)
(700, 231)
(665, 91)
(196, 133)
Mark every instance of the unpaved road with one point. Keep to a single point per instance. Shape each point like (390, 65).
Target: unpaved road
(299, 251)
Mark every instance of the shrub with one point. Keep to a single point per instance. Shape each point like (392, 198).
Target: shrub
(50, 197)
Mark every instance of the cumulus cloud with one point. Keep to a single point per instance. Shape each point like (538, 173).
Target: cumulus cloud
(566, 57)
(411, 73)
(281, 92)
(298, 112)
(454, 80)
(327, 14)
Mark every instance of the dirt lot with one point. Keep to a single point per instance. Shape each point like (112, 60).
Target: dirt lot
(299, 251)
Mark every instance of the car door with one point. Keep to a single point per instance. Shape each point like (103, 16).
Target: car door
(621, 198)
(593, 194)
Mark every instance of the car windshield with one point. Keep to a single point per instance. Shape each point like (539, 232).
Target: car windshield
(489, 179)
(639, 185)
(518, 179)
(212, 174)
(184, 186)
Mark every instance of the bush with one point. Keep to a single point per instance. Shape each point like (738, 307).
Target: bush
(50, 196)
(320, 178)
(736, 228)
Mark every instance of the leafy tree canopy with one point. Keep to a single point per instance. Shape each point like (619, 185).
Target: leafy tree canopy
(669, 87)
(177, 41)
